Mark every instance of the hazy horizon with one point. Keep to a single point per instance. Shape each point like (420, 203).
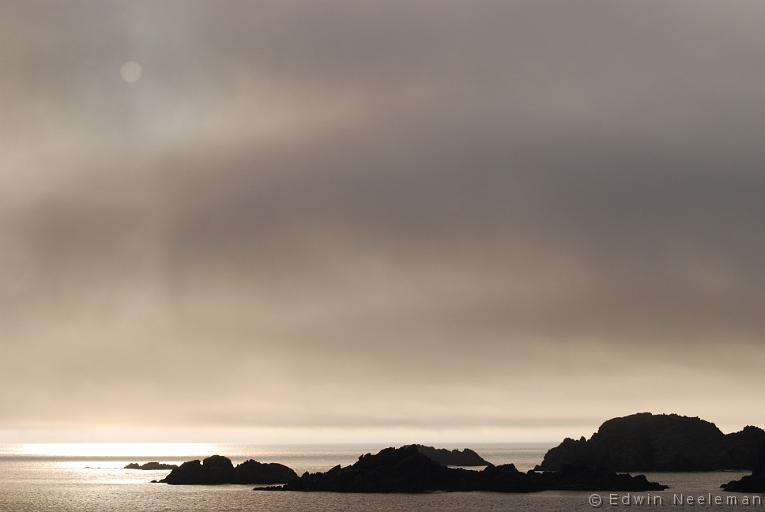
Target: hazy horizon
(542, 435)
(300, 221)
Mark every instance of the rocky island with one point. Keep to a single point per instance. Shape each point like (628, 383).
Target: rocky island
(408, 470)
(752, 483)
(655, 443)
(150, 466)
(465, 457)
(218, 470)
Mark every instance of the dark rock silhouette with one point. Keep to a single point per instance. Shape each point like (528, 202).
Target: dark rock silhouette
(150, 466)
(752, 483)
(213, 470)
(663, 442)
(217, 470)
(407, 470)
(744, 445)
(465, 457)
(254, 472)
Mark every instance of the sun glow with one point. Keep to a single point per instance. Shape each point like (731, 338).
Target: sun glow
(115, 449)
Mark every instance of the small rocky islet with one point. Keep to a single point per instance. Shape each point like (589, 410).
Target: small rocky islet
(150, 466)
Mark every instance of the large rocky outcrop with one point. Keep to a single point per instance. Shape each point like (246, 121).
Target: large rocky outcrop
(219, 470)
(150, 466)
(754, 482)
(407, 470)
(465, 457)
(663, 442)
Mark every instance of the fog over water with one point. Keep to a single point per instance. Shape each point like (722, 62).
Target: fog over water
(378, 221)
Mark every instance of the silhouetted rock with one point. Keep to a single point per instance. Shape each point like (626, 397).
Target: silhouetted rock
(648, 442)
(754, 482)
(150, 466)
(744, 447)
(219, 470)
(407, 470)
(254, 472)
(213, 470)
(465, 457)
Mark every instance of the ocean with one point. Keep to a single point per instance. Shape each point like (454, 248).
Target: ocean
(91, 478)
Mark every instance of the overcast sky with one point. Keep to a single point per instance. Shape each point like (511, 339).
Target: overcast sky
(379, 221)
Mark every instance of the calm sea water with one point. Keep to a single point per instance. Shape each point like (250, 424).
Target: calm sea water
(32, 479)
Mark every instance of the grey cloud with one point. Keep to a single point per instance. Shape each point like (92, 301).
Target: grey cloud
(428, 198)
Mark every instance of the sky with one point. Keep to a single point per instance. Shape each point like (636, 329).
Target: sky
(404, 221)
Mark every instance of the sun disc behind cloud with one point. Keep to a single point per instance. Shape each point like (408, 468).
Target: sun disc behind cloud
(131, 71)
